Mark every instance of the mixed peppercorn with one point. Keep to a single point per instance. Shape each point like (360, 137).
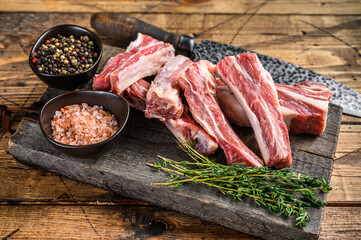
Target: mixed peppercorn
(65, 55)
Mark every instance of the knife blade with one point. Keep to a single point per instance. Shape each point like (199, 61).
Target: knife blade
(124, 29)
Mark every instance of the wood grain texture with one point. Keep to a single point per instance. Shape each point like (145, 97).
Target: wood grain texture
(350, 139)
(109, 24)
(322, 44)
(108, 222)
(315, 7)
(116, 222)
(47, 188)
(341, 223)
(320, 35)
(122, 169)
(345, 179)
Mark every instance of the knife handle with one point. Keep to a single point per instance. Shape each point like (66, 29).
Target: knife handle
(124, 29)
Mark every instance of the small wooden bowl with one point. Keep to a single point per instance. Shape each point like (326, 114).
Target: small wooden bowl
(113, 103)
(68, 81)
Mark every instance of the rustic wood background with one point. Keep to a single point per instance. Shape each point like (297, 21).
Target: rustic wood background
(324, 36)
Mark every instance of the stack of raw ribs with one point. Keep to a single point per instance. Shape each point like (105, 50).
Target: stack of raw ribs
(195, 106)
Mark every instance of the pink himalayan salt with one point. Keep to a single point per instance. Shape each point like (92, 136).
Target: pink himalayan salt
(83, 124)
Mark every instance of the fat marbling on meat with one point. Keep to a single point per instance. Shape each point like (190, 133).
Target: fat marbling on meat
(163, 100)
(102, 80)
(146, 62)
(183, 128)
(304, 106)
(142, 42)
(254, 89)
(199, 85)
(144, 57)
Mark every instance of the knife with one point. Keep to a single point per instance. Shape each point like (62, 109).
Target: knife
(124, 29)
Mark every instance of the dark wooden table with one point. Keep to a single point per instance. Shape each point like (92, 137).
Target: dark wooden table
(322, 36)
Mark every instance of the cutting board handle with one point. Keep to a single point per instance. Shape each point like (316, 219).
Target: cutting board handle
(124, 29)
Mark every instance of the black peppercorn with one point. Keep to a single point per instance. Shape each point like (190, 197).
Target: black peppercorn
(64, 55)
(85, 38)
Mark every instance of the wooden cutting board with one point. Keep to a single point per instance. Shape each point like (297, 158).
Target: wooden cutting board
(121, 168)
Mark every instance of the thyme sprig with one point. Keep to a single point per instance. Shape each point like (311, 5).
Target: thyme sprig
(281, 191)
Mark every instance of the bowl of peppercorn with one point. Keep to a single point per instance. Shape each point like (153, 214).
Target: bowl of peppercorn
(66, 56)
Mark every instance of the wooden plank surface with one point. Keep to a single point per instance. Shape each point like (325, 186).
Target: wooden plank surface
(317, 46)
(122, 169)
(321, 35)
(114, 222)
(118, 222)
(298, 7)
(307, 158)
(44, 187)
(345, 180)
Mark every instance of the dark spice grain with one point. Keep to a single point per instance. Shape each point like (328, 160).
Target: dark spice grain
(65, 55)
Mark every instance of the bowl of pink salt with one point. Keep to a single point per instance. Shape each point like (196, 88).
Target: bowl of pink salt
(81, 123)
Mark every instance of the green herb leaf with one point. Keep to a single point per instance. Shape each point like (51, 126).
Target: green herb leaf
(277, 190)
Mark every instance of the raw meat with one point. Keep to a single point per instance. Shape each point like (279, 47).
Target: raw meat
(102, 81)
(254, 89)
(231, 107)
(163, 100)
(306, 116)
(145, 62)
(306, 105)
(144, 57)
(183, 128)
(186, 130)
(136, 94)
(199, 85)
(142, 42)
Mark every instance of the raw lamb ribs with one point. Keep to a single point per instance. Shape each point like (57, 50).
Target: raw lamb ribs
(102, 80)
(163, 100)
(304, 106)
(269, 109)
(199, 85)
(142, 42)
(146, 62)
(144, 57)
(136, 94)
(183, 128)
(254, 89)
(186, 130)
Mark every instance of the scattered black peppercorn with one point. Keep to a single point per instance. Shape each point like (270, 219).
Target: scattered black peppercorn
(65, 55)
